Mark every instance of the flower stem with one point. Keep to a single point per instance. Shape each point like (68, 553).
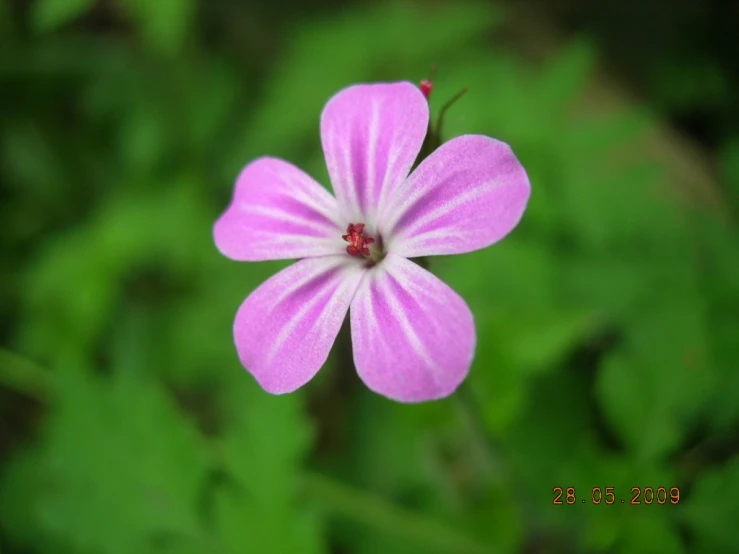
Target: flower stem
(448, 104)
(466, 397)
(363, 507)
(434, 134)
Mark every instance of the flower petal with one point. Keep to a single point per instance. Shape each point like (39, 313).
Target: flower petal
(286, 327)
(468, 194)
(371, 135)
(278, 212)
(413, 336)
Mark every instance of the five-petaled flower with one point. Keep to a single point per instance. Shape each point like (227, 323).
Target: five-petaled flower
(413, 337)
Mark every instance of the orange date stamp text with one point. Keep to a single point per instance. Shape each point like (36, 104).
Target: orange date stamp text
(608, 495)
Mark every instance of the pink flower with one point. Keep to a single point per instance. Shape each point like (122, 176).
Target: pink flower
(413, 337)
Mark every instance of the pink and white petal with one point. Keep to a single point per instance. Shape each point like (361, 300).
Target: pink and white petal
(285, 329)
(371, 135)
(413, 336)
(468, 194)
(278, 212)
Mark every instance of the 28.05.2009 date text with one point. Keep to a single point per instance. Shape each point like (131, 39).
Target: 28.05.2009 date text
(639, 495)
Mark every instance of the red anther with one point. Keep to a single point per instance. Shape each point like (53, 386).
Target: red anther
(357, 241)
(426, 86)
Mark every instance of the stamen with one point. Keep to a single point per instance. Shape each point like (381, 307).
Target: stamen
(358, 243)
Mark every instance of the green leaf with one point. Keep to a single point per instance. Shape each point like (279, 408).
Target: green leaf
(685, 81)
(49, 14)
(563, 78)
(711, 510)
(198, 329)
(32, 160)
(606, 133)
(81, 273)
(411, 527)
(391, 455)
(395, 458)
(374, 43)
(500, 100)
(552, 438)
(426, 458)
(258, 508)
(163, 24)
(22, 485)
(729, 163)
(21, 375)
(623, 526)
(652, 533)
(7, 26)
(520, 326)
(635, 404)
(650, 388)
(245, 524)
(126, 450)
(537, 343)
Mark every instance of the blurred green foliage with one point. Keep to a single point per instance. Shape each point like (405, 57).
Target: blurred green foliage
(608, 335)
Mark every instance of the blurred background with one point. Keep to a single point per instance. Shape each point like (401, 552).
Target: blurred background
(608, 321)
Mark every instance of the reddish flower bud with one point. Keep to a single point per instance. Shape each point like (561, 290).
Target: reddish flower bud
(426, 85)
